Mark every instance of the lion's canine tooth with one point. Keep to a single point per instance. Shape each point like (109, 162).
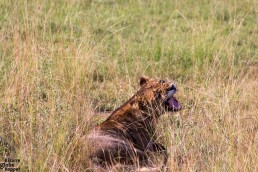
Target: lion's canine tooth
(171, 93)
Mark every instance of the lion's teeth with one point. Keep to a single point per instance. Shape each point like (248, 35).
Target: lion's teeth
(171, 93)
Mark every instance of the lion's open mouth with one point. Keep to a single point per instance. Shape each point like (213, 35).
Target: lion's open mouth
(171, 102)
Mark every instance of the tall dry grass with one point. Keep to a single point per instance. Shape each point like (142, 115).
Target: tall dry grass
(64, 63)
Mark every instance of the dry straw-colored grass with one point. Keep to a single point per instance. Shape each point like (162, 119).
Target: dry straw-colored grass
(62, 64)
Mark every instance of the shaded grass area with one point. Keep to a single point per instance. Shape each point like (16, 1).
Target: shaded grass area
(63, 62)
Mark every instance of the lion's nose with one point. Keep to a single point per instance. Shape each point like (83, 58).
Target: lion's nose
(173, 87)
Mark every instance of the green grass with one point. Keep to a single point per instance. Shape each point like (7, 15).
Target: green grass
(64, 62)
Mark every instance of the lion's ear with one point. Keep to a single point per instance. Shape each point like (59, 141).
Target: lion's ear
(143, 80)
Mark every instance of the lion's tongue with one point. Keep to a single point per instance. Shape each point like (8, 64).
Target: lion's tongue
(174, 104)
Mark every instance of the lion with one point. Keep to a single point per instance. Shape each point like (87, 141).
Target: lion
(127, 136)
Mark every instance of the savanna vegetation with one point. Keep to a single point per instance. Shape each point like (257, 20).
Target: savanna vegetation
(65, 64)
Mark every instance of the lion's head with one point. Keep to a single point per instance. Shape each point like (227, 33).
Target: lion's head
(158, 94)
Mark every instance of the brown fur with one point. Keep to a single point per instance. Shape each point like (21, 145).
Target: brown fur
(128, 134)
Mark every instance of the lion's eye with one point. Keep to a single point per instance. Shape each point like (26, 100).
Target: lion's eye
(162, 81)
